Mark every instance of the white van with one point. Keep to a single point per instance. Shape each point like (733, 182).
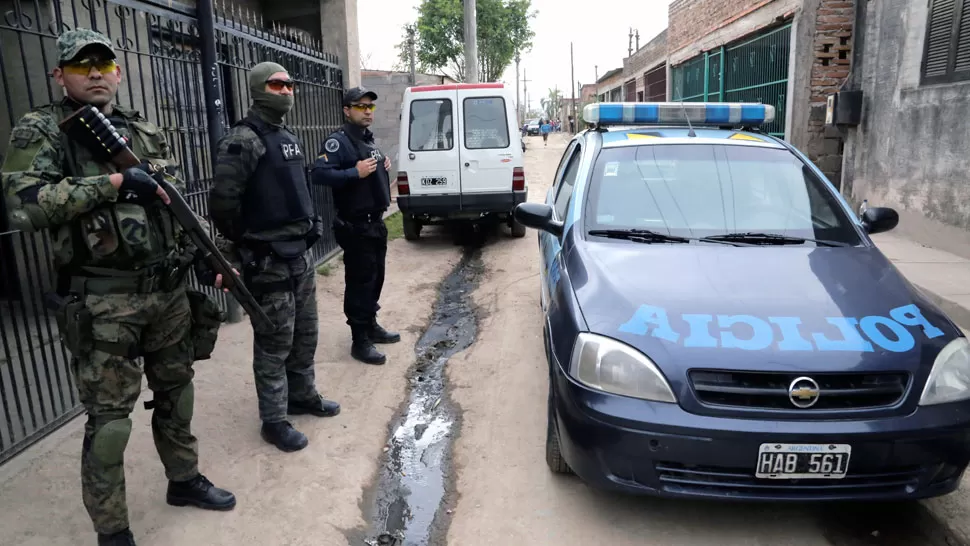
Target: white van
(479, 176)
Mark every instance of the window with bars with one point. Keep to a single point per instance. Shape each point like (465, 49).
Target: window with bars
(946, 56)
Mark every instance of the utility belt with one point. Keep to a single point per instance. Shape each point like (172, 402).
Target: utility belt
(370, 217)
(74, 319)
(258, 255)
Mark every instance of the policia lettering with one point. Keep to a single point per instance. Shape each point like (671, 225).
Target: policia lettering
(122, 262)
(752, 333)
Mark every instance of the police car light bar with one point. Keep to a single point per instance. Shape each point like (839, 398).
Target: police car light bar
(677, 113)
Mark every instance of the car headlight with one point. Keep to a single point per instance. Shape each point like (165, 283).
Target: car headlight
(610, 366)
(949, 380)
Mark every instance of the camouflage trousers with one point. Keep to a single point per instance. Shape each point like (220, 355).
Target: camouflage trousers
(109, 386)
(283, 360)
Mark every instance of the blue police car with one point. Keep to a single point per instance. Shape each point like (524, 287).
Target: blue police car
(718, 322)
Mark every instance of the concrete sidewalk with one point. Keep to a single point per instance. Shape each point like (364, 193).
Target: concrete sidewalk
(943, 277)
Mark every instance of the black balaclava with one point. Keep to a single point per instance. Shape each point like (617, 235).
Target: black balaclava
(271, 107)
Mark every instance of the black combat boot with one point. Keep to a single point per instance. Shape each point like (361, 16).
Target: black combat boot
(121, 538)
(284, 436)
(378, 334)
(363, 348)
(200, 492)
(319, 406)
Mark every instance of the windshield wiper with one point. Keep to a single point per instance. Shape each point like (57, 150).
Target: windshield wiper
(771, 239)
(648, 236)
(638, 235)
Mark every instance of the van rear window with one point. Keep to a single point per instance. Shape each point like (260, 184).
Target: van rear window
(486, 123)
(431, 125)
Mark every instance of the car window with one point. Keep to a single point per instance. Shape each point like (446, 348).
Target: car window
(701, 190)
(568, 183)
(557, 181)
(431, 125)
(486, 123)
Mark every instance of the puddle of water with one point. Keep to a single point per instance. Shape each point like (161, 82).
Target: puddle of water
(414, 478)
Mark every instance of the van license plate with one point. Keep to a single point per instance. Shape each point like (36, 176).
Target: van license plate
(800, 461)
(434, 181)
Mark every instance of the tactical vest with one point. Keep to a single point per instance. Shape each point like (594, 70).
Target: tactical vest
(278, 193)
(373, 193)
(115, 235)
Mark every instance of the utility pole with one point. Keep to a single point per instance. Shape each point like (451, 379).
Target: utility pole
(518, 104)
(572, 83)
(525, 83)
(414, 77)
(471, 42)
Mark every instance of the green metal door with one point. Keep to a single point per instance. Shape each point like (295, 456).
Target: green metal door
(751, 70)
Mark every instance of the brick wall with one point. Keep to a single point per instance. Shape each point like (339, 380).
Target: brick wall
(832, 53)
(689, 20)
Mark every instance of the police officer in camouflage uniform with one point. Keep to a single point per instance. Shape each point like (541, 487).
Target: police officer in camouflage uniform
(261, 201)
(352, 165)
(121, 264)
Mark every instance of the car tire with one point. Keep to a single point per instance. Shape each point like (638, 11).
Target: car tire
(412, 228)
(553, 451)
(516, 229)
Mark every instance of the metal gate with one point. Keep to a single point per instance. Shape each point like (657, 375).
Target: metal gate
(160, 48)
(751, 70)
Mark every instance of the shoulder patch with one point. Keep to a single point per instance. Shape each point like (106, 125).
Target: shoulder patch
(24, 136)
(331, 145)
(235, 148)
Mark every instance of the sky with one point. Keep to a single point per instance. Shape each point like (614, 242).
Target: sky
(600, 37)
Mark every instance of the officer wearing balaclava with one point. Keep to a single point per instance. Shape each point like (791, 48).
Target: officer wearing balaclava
(352, 165)
(260, 200)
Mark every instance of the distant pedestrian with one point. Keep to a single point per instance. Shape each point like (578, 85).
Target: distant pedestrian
(572, 124)
(545, 127)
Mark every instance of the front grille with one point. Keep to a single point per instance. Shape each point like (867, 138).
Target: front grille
(761, 390)
(733, 482)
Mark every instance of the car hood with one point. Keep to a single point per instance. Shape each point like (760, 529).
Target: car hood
(776, 308)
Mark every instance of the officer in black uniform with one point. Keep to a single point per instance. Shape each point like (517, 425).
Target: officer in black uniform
(352, 165)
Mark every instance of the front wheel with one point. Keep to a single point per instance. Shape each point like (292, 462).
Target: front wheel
(412, 228)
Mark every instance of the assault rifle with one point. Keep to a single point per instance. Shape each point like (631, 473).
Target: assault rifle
(89, 127)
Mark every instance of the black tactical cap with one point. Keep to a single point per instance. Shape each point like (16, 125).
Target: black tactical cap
(354, 94)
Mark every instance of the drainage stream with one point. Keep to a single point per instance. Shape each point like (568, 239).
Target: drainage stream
(415, 476)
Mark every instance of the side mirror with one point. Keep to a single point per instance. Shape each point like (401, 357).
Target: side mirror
(537, 216)
(880, 219)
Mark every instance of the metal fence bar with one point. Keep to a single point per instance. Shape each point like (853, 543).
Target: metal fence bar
(752, 70)
(159, 43)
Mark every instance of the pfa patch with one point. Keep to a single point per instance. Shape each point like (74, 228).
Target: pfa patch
(331, 145)
(612, 169)
(291, 151)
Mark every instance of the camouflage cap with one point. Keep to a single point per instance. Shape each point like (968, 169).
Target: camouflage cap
(70, 43)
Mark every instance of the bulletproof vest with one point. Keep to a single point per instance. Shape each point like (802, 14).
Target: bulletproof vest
(373, 193)
(278, 193)
(114, 235)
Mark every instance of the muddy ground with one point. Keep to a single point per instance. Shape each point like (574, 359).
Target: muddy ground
(443, 445)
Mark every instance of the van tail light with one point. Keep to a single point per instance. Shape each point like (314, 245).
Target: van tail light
(518, 179)
(403, 188)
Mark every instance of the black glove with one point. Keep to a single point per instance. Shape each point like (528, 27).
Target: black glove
(316, 232)
(205, 274)
(138, 187)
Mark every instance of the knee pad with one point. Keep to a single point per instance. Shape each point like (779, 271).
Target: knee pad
(183, 403)
(109, 441)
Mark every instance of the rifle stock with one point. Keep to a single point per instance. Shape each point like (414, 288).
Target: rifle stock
(114, 149)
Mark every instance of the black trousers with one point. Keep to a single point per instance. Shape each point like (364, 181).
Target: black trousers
(364, 243)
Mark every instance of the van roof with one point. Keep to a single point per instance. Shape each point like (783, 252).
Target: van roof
(456, 86)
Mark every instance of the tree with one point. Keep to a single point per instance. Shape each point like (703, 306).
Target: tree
(503, 32)
(552, 103)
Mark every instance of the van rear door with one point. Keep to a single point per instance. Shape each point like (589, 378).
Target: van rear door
(429, 154)
(488, 151)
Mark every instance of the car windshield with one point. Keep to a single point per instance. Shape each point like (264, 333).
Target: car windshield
(705, 190)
